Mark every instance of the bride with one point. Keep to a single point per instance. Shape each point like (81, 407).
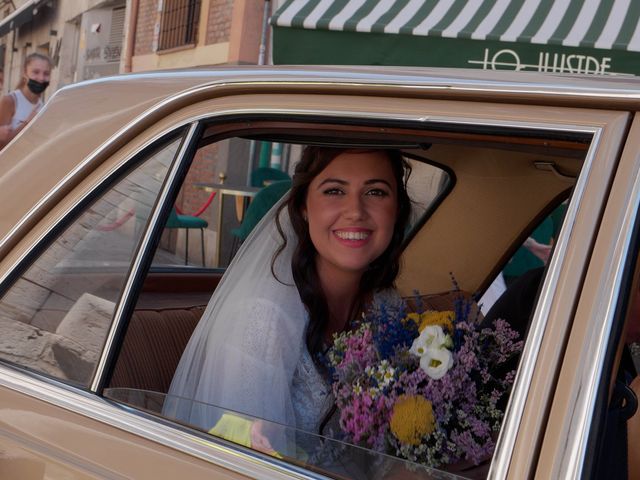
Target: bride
(309, 268)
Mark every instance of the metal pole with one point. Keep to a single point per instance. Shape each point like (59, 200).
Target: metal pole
(261, 55)
(265, 29)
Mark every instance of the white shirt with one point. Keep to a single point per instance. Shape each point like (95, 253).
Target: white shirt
(24, 108)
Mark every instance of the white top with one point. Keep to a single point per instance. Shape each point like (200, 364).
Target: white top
(24, 108)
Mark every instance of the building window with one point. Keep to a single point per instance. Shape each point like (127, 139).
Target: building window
(179, 23)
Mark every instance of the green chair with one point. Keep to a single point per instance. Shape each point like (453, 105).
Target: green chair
(259, 206)
(262, 176)
(187, 222)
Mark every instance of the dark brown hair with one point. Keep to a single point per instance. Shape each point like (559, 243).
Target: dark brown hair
(381, 273)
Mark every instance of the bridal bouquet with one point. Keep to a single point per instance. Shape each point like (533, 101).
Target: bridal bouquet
(422, 386)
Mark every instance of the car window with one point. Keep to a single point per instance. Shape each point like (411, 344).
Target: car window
(55, 317)
(190, 235)
(531, 256)
(217, 196)
(472, 201)
(308, 450)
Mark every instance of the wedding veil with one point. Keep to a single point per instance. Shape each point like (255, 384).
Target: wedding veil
(243, 352)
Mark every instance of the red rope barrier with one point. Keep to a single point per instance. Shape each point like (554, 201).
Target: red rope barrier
(122, 220)
(201, 210)
(118, 223)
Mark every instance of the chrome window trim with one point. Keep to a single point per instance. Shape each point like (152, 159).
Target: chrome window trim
(506, 440)
(513, 415)
(210, 449)
(407, 81)
(583, 406)
(187, 141)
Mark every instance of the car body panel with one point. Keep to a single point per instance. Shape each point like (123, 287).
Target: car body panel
(87, 133)
(589, 337)
(57, 425)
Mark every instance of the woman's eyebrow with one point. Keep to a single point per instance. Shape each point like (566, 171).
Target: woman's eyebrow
(378, 180)
(344, 182)
(333, 180)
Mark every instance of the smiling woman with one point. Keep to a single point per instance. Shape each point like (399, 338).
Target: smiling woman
(341, 228)
(349, 209)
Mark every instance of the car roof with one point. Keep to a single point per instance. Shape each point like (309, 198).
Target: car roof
(93, 118)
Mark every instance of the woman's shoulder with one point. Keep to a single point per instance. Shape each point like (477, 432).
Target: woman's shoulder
(7, 108)
(270, 305)
(8, 100)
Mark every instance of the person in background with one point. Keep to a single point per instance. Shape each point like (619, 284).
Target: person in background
(536, 250)
(19, 106)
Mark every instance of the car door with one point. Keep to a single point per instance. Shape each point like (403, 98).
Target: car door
(575, 439)
(73, 406)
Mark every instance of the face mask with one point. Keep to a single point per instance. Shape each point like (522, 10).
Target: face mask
(37, 87)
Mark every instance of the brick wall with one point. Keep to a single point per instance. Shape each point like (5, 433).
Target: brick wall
(219, 22)
(145, 27)
(203, 169)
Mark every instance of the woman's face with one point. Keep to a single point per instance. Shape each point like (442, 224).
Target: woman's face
(38, 70)
(351, 209)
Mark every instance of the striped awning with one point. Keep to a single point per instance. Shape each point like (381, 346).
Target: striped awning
(571, 36)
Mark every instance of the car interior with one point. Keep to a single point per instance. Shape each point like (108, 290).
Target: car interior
(494, 189)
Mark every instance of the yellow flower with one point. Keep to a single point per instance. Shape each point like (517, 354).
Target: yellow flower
(443, 319)
(412, 418)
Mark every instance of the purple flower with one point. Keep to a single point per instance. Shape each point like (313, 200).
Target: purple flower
(372, 368)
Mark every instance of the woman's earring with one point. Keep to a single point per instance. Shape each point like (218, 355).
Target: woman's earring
(304, 216)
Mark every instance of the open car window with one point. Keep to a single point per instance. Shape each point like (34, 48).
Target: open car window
(212, 213)
(477, 195)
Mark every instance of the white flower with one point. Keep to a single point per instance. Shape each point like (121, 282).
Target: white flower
(432, 336)
(436, 362)
(432, 348)
(384, 373)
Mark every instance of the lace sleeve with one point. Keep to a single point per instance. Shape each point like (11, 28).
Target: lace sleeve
(246, 367)
(244, 351)
(259, 360)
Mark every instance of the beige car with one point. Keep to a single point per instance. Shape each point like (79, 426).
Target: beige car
(101, 284)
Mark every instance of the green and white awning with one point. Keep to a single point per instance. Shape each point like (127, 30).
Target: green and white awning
(568, 36)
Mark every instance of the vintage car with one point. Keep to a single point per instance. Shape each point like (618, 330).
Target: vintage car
(100, 292)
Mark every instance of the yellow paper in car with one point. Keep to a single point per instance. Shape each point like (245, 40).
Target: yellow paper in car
(235, 429)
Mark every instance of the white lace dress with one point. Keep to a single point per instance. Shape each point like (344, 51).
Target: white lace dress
(310, 394)
(258, 365)
(281, 382)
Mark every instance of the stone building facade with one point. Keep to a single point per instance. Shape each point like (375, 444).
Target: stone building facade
(185, 33)
(90, 39)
